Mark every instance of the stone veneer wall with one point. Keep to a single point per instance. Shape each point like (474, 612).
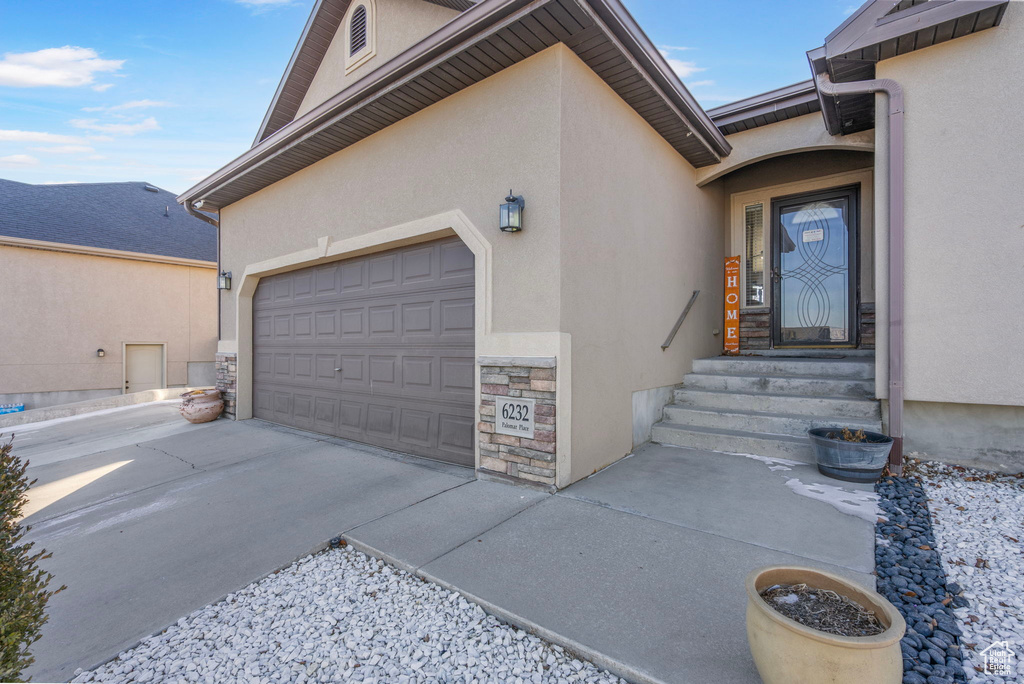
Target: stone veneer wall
(755, 328)
(531, 460)
(227, 380)
(867, 325)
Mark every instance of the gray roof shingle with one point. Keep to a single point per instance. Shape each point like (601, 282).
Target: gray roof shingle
(122, 216)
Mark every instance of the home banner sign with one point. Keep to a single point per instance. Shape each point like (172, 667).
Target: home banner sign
(732, 305)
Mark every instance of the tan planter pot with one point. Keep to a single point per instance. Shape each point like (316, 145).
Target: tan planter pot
(201, 406)
(787, 652)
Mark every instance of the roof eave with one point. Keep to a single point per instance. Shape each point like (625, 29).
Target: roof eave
(450, 34)
(766, 108)
(462, 29)
(261, 134)
(621, 22)
(875, 33)
(829, 111)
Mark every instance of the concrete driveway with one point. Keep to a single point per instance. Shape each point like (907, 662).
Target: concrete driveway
(639, 568)
(150, 518)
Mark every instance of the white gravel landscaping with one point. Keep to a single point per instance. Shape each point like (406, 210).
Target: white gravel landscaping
(978, 522)
(343, 616)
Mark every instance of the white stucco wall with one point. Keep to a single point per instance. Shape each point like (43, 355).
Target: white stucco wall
(964, 218)
(637, 238)
(453, 155)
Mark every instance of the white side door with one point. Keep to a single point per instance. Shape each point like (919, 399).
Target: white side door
(143, 367)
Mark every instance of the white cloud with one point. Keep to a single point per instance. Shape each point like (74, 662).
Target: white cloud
(134, 104)
(700, 84)
(102, 87)
(65, 149)
(64, 67)
(38, 137)
(149, 124)
(682, 69)
(674, 48)
(18, 160)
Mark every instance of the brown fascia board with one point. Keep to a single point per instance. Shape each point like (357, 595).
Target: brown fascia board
(829, 105)
(873, 24)
(765, 103)
(300, 47)
(625, 28)
(460, 31)
(862, 19)
(876, 25)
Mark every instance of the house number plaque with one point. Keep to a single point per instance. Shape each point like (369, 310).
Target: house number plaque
(514, 416)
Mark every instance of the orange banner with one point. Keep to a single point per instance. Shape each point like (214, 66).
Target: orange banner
(732, 305)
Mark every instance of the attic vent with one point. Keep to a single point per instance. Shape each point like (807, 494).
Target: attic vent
(357, 31)
(151, 188)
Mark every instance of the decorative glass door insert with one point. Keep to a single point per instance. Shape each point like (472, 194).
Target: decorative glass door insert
(814, 275)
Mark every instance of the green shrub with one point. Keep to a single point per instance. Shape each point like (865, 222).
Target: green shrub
(23, 586)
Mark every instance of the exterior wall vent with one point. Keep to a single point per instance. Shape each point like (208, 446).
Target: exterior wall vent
(360, 34)
(357, 31)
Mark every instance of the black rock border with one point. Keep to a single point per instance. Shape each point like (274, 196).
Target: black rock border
(910, 575)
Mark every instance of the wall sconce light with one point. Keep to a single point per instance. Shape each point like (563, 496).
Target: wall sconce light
(510, 217)
(224, 280)
(100, 353)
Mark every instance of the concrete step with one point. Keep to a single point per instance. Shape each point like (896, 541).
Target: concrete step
(779, 384)
(760, 421)
(734, 441)
(857, 369)
(825, 407)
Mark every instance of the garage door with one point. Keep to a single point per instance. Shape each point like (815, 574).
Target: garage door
(377, 349)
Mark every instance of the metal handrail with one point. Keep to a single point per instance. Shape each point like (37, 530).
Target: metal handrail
(679, 323)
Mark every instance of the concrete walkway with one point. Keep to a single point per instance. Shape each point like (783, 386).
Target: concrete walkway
(640, 568)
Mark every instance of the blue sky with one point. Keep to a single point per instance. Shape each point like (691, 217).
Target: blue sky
(167, 91)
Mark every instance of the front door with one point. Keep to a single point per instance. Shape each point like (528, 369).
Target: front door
(143, 367)
(814, 274)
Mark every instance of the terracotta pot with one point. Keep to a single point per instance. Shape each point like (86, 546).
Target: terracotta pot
(787, 652)
(201, 406)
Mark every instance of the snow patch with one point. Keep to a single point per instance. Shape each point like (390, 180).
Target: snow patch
(773, 463)
(861, 504)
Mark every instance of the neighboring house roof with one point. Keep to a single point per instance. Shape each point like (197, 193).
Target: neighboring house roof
(489, 37)
(316, 37)
(128, 217)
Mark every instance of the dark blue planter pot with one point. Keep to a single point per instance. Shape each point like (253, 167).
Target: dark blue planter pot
(850, 461)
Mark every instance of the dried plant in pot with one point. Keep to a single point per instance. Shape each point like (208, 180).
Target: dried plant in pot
(850, 455)
(201, 406)
(789, 652)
